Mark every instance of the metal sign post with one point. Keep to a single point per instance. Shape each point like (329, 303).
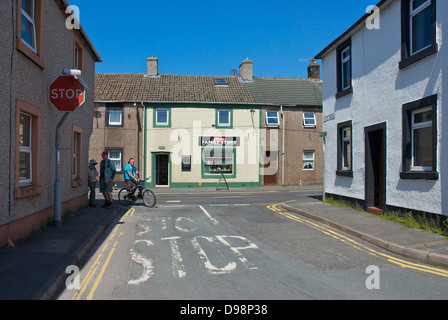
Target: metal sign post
(67, 93)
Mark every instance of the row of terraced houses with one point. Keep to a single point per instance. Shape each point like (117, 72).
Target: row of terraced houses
(371, 128)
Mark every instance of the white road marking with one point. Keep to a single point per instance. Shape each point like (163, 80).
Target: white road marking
(148, 268)
(209, 216)
(176, 258)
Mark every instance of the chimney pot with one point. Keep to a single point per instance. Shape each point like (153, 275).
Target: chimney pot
(152, 66)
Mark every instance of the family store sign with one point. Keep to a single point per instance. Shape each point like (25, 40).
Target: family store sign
(219, 141)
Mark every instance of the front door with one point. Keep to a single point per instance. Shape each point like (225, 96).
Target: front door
(162, 163)
(375, 167)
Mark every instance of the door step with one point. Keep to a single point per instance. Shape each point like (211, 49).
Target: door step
(374, 210)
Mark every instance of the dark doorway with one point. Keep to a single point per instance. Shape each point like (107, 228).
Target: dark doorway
(270, 169)
(375, 167)
(162, 162)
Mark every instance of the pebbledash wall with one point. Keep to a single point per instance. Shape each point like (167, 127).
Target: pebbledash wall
(381, 88)
(25, 77)
(196, 148)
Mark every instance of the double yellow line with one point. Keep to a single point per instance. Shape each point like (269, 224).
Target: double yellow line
(113, 238)
(357, 245)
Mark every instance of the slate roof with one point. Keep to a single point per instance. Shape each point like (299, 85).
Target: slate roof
(119, 87)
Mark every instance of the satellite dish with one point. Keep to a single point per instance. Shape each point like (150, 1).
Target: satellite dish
(234, 72)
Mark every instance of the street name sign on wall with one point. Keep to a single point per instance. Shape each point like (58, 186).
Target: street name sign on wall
(67, 93)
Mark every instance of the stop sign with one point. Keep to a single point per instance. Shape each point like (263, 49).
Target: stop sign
(67, 93)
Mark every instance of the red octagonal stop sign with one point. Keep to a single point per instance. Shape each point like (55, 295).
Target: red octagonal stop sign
(67, 93)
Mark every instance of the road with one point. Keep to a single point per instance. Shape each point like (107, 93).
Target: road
(235, 246)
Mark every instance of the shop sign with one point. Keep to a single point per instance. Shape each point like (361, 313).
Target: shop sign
(219, 141)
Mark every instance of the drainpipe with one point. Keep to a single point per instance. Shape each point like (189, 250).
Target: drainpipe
(143, 169)
(283, 145)
(57, 182)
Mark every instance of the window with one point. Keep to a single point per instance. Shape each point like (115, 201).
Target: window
(418, 24)
(162, 117)
(116, 156)
(345, 149)
(78, 56)
(420, 139)
(25, 148)
(308, 160)
(420, 29)
(218, 160)
(344, 69)
(27, 162)
(224, 118)
(221, 82)
(75, 155)
(114, 116)
(272, 119)
(309, 119)
(28, 24)
(29, 29)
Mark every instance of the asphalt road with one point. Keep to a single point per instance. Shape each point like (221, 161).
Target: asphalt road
(231, 246)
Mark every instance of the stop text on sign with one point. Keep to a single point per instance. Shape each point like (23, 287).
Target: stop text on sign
(66, 93)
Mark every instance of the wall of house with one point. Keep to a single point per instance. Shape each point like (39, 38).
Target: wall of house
(28, 84)
(188, 123)
(298, 139)
(128, 137)
(380, 89)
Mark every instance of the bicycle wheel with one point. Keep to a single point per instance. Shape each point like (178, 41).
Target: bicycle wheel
(123, 197)
(149, 198)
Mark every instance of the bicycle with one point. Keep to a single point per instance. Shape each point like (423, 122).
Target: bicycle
(149, 198)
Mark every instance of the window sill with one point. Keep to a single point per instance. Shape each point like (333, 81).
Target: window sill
(76, 183)
(420, 175)
(27, 192)
(344, 173)
(20, 46)
(344, 92)
(418, 56)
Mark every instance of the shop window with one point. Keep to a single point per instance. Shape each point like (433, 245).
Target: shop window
(218, 161)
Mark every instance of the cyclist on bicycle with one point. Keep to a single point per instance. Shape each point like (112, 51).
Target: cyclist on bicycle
(130, 173)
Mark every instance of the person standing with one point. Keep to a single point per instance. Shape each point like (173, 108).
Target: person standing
(107, 175)
(93, 176)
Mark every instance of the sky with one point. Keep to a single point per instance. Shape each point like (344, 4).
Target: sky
(211, 38)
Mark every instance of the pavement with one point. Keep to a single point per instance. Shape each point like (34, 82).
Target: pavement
(36, 268)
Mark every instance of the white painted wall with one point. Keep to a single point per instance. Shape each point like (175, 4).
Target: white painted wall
(380, 89)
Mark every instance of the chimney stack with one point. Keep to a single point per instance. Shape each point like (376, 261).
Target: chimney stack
(314, 70)
(153, 66)
(246, 70)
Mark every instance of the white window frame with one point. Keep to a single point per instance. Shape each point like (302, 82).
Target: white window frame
(119, 167)
(276, 117)
(412, 14)
(344, 139)
(224, 124)
(75, 155)
(28, 150)
(308, 159)
(115, 110)
(309, 118)
(32, 20)
(159, 123)
(414, 126)
(343, 62)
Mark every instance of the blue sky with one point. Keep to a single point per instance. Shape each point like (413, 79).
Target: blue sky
(213, 37)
